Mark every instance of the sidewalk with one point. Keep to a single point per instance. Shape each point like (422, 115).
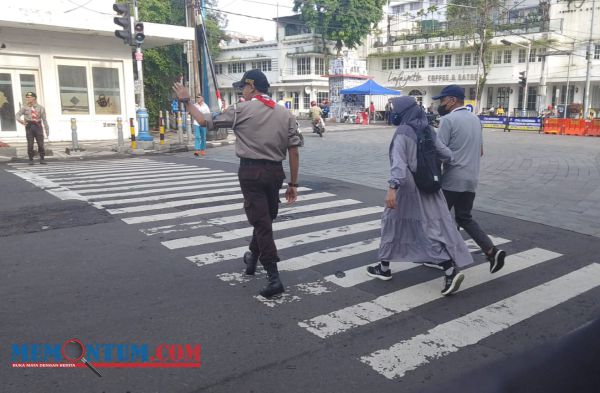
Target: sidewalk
(108, 148)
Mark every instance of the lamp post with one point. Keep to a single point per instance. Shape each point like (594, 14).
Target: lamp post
(528, 46)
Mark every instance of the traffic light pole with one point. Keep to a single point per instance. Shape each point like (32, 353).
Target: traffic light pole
(142, 112)
(525, 88)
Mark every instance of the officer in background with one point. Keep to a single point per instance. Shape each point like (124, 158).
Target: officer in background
(264, 133)
(34, 116)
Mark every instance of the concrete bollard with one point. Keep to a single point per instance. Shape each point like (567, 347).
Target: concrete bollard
(188, 127)
(179, 128)
(132, 131)
(167, 121)
(74, 140)
(120, 141)
(161, 127)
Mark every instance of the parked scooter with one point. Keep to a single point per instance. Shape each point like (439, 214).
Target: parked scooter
(319, 127)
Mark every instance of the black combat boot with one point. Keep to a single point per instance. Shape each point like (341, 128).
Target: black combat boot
(274, 285)
(250, 260)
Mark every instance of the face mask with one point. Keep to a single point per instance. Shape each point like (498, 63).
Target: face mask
(442, 110)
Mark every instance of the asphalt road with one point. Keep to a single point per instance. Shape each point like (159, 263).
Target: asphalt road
(103, 251)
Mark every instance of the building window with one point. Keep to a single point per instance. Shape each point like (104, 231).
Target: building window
(406, 63)
(563, 94)
(319, 66)
(522, 55)
(507, 56)
(498, 57)
(263, 65)
(236, 68)
(532, 55)
(472, 95)
(72, 81)
(447, 60)
(303, 66)
(413, 62)
(431, 61)
(384, 64)
(531, 98)
(502, 97)
(421, 61)
(597, 51)
(397, 62)
(475, 58)
(107, 94)
(218, 69)
(296, 100)
(306, 101)
(439, 61)
(280, 96)
(541, 54)
(458, 60)
(294, 29)
(322, 95)
(467, 59)
(490, 97)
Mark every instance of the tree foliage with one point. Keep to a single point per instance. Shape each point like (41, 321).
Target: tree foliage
(346, 22)
(162, 65)
(474, 19)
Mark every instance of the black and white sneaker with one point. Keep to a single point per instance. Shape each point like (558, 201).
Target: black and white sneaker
(433, 265)
(452, 282)
(496, 260)
(375, 271)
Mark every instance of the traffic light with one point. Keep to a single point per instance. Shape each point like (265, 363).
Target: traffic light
(124, 21)
(139, 33)
(522, 79)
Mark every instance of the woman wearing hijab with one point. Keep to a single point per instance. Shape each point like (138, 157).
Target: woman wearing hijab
(416, 226)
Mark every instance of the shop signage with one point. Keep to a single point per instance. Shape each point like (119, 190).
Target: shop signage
(451, 77)
(402, 78)
(512, 123)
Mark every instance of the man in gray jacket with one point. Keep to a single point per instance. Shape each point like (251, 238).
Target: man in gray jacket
(461, 131)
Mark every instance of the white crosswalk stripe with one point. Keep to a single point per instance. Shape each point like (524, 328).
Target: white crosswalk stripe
(327, 238)
(450, 337)
(403, 300)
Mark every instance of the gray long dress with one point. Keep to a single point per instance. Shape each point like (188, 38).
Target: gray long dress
(420, 228)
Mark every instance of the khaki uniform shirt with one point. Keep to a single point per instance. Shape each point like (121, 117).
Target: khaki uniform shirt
(25, 111)
(315, 112)
(262, 133)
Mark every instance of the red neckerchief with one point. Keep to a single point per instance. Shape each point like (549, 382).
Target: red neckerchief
(265, 100)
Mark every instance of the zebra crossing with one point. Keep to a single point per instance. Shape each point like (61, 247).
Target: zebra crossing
(198, 211)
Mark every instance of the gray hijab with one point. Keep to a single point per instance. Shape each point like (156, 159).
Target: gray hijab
(407, 111)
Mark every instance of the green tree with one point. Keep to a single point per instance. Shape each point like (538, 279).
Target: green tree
(346, 22)
(475, 20)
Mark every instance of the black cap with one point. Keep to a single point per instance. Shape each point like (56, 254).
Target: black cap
(30, 94)
(255, 78)
(451, 91)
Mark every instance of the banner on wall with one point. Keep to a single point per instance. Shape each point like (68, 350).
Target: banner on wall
(512, 123)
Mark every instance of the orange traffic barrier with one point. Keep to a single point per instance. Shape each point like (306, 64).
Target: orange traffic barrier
(551, 126)
(575, 127)
(594, 128)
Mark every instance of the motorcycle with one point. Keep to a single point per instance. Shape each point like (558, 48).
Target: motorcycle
(319, 127)
(300, 134)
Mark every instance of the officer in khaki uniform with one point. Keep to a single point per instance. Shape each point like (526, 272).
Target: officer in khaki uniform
(34, 115)
(264, 132)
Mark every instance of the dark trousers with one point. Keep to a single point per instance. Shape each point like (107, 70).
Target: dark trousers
(35, 130)
(462, 202)
(260, 182)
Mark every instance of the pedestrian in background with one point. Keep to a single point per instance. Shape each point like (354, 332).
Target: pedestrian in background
(417, 226)
(34, 116)
(462, 132)
(265, 133)
(388, 111)
(199, 131)
(372, 111)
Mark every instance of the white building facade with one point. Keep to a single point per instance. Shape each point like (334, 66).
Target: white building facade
(295, 64)
(558, 34)
(68, 55)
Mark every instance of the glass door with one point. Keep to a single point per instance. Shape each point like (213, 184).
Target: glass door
(14, 84)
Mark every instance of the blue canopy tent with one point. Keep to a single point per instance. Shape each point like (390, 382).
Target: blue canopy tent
(370, 88)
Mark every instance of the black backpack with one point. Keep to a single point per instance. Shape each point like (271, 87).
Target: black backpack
(428, 176)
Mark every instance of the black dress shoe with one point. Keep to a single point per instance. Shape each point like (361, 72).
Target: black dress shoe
(250, 260)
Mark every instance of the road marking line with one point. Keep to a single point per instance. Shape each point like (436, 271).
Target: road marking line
(244, 232)
(166, 183)
(97, 169)
(403, 300)
(206, 210)
(284, 214)
(68, 181)
(297, 240)
(157, 190)
(215, 176)
(347, 279)
(184, 202)
(161, 197)
(119, 171)
(395, 361)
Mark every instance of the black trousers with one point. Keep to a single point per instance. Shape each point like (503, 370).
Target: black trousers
(35, 131)
(463, 204)
(261, 181)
